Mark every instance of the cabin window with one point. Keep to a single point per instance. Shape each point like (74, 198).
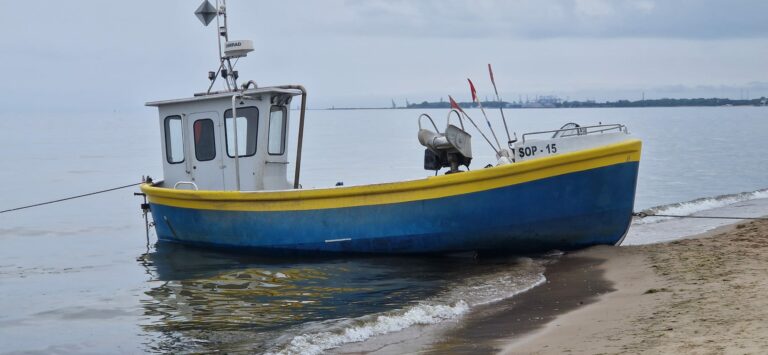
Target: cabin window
(174, 143)
(277, 125)
(205, 143)
(247, 131)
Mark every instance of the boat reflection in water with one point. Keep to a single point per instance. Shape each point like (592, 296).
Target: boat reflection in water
(203, 300)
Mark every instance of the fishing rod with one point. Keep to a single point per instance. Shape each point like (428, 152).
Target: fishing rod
(501, 109)
(475, 99)
(456, 106)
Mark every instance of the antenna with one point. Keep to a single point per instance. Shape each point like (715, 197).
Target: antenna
(232, 49)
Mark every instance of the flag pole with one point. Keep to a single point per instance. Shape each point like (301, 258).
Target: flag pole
(475, 99)
(503, 119)
(456, 106)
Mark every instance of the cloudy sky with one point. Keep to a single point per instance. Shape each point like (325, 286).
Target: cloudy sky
(97, 55)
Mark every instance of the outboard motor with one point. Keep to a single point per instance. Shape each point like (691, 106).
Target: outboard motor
(451, 149)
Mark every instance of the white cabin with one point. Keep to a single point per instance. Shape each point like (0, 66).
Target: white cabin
(204, 148)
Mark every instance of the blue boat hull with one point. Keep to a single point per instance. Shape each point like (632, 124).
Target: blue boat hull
(568, 211)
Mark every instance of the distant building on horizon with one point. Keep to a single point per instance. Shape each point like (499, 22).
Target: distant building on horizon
(549, 101)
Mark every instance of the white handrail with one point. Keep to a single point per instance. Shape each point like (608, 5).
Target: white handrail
(237, 151)
(176, 185)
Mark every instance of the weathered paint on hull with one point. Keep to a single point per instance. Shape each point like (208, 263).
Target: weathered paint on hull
(567, 211)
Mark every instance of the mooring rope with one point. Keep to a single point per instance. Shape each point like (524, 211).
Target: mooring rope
(644, 215)
(70, 198)
(634, 214)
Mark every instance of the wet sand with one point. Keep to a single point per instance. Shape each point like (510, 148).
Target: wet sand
(701, 295)
(571, 283)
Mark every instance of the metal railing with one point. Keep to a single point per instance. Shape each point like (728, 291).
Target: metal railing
(448, 120)
(579, 131)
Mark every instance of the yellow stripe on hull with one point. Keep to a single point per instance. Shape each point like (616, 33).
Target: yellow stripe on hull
(397, 192)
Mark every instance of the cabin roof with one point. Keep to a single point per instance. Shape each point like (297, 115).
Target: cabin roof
(258, 91)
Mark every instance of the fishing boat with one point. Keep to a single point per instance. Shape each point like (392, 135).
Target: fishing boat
(226, 181)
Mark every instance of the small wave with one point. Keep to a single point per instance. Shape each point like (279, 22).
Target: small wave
(453, 304)
(699, 205)
(422, 314)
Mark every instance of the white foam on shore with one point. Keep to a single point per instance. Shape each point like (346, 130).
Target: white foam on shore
(699, 205)
(664, 229)
(423, 314)
(451, 305)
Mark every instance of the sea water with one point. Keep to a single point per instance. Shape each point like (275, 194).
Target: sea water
(79, 276)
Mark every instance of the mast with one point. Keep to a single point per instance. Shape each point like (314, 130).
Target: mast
(228, 49)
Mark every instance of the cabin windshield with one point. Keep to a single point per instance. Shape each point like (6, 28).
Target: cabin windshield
(247, 131)
(174, 143)
(276, 130)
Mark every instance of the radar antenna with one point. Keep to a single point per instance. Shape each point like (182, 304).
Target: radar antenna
(231, 49)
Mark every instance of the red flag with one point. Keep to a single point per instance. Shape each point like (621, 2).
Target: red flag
(493, 81)
(474, 93)
(454, 105)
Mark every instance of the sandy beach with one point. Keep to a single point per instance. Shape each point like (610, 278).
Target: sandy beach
(700, 295)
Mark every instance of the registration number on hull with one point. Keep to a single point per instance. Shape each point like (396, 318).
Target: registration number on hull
(534, 150)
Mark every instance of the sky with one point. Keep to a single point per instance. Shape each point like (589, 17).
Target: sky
(116, 55)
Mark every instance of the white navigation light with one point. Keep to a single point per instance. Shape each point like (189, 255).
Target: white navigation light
(206, 12)
(236, 49)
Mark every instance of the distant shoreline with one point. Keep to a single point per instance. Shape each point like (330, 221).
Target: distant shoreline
(550, 103)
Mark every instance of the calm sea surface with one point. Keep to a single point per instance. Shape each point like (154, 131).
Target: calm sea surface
(79, 276)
